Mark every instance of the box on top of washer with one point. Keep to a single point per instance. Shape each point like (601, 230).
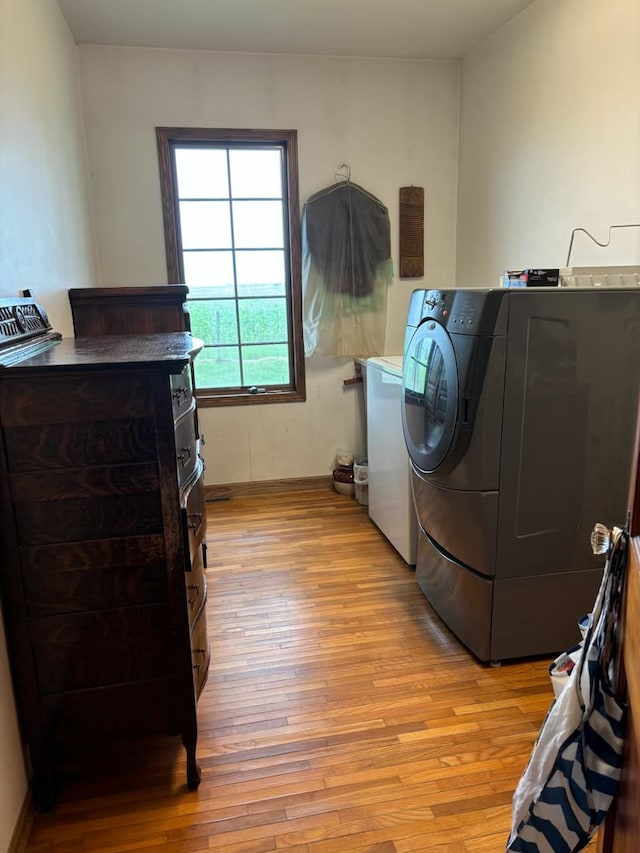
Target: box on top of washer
(531, 278)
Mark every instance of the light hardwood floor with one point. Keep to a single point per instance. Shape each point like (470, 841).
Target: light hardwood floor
(340, 715)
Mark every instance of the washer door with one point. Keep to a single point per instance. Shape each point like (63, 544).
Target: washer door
(430, 396)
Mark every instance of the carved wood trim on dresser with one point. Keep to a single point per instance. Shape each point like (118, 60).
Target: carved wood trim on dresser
(103, 551)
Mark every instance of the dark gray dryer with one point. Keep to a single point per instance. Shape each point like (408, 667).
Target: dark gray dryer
(518, 410)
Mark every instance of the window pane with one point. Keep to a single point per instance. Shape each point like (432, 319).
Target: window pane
(227, 212)
(260, 273)
(214, 321)
(202, 173)
(256, 173)
(205, 225)
(268, 365)
(262, 320)
(210, 269)
(218, 367)
(258, 224)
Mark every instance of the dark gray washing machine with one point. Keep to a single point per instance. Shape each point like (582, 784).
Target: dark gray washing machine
(519, 410)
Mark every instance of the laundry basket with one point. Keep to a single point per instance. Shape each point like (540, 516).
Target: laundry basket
(361, 480)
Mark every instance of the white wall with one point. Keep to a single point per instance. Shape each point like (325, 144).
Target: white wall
(45, 241)
(550, 139)
(45, 231)
(394, 122)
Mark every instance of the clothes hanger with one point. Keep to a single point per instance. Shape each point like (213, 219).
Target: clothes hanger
(344, 175)
(343, 179)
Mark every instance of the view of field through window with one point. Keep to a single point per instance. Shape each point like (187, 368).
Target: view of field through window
(232, 212)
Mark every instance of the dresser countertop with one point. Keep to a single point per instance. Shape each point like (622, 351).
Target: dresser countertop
(118, 350)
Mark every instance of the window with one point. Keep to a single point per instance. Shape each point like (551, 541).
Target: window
(232, 235)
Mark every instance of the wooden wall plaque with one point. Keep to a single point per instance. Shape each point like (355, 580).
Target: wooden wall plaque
(411, 232)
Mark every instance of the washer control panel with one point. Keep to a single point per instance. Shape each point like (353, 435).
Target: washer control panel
(473, 311)
(459, 311)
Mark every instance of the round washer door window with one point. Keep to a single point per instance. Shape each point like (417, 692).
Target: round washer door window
(430, 396)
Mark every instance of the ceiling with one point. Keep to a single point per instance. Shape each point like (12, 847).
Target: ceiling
(420, 29)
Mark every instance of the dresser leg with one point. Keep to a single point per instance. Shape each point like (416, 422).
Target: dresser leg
(193, 770)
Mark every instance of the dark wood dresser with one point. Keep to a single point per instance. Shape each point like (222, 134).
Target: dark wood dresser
(103, 549)
(129, 310)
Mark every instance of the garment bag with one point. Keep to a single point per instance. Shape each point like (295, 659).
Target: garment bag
(346, 269)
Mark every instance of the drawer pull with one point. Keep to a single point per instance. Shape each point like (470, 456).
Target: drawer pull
(202, 652)
(202, 441)
(196, 588)
(196, 668)
(179, 393)
(204, 464)
(204, 555)
(184, 456)
(196, 522)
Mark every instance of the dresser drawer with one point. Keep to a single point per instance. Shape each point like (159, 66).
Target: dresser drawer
(181, 392)
(196, 587)
(200, 652)
(83, 519)
(94, 575)
(75, 399)
(55, 446)
(195, 515)
(77, 720)
(186, 445)
(77, 651)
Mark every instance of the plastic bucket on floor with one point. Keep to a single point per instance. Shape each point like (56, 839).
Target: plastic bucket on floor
(361, 480)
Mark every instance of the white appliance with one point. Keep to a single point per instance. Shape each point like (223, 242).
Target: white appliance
(390, 501)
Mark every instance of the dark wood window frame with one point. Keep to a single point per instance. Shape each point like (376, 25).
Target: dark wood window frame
(170, 138)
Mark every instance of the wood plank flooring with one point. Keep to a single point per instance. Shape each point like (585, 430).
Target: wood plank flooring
(340, 715)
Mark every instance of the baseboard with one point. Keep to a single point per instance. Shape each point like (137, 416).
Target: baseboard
(23, 826)
(264, 487)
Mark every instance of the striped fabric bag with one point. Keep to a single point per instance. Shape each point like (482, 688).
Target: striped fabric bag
(574, 769)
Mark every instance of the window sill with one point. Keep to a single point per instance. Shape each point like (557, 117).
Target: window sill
(208, 399)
